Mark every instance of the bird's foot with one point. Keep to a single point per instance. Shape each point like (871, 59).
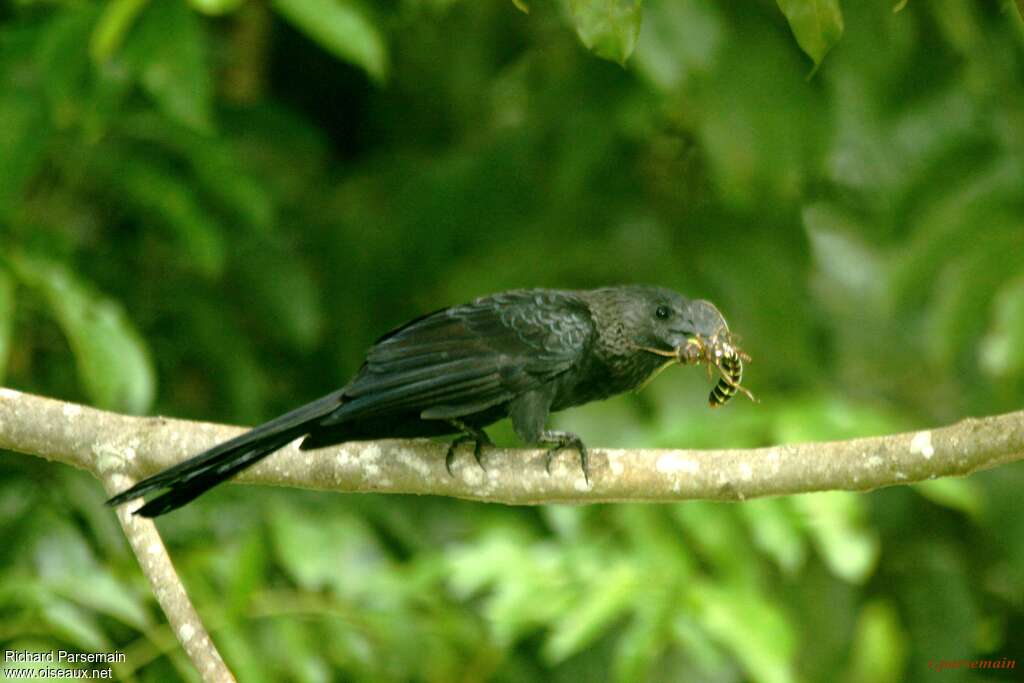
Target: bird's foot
(477, 436)
(562, 440)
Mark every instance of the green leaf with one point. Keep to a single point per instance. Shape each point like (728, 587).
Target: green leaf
(167, 51)
(247, 570)
(776, 532)
(939, 600)
(218, 171)
(837, 522)
(642, 640)
(289, 301)
(680, 40)
(960, 215)
(816, 24)
(338, 552)
(100, 592)
(578, 626)
(846, 267)
(111, 28)
(609, 28)
(76, 625)
(719, 538)
(760, 124)
(6, 319)
(969, 281)
(161, 194)
(304, 662)
(241, 654)
(526, 581)
(879, 645)
(750, 626)
(820, 417)
(1001, 351)
(113, 362)
(221, 344)
(287, 154)
(704, 655)
(24, 135)
(215, 7)
(62, 58)
(963, 495)
(342, 28)
(60, 551)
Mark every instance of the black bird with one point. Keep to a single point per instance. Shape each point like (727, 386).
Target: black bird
(521, 354)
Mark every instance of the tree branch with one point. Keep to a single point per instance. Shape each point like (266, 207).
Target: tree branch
(167, 587)
(120, 449)
(66, 438)
(107, 443)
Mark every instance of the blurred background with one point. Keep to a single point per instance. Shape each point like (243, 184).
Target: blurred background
(210, 208)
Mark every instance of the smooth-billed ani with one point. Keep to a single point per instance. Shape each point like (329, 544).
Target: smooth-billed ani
(520, 354)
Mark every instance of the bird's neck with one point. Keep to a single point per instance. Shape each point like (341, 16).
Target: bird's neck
(625, 366)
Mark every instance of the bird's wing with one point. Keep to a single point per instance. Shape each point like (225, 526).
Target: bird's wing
(464, 359)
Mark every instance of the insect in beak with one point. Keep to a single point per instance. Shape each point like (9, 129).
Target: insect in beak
(718, 352)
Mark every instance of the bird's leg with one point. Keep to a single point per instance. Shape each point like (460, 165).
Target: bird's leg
(476, 435)
(562, 440)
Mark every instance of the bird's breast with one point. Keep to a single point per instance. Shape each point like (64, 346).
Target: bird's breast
(604, 377)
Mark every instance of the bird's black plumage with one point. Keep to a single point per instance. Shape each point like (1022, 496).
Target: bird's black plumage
(521, 354)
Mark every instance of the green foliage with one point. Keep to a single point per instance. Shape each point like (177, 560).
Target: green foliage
(57, 582)
(837, 528)
(878, 651)
(962, 495)
(216, 7)
(341, 27)
(166, 51)
(114, 22)
(113, 363)
(750, 627)
(608, 27)
(213, 218)
(1002, 349)
(6, 318)
(816, 24)
(21, 148)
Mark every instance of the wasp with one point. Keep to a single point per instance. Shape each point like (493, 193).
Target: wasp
(731, 367)
(719, 351)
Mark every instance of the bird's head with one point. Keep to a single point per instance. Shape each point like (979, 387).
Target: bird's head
(642, 330)
(663, 319)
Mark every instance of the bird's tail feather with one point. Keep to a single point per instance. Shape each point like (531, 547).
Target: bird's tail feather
(198, 474)
(201, 480)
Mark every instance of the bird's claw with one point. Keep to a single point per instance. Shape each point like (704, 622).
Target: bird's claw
(449, 456)
(478, 437)
(566, 440)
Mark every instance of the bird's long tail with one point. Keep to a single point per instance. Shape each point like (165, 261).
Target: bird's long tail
(193, 477)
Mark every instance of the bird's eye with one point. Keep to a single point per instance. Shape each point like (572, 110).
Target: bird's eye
(662, 313)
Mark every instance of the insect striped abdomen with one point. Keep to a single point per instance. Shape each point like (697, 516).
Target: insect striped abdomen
(732, 372)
